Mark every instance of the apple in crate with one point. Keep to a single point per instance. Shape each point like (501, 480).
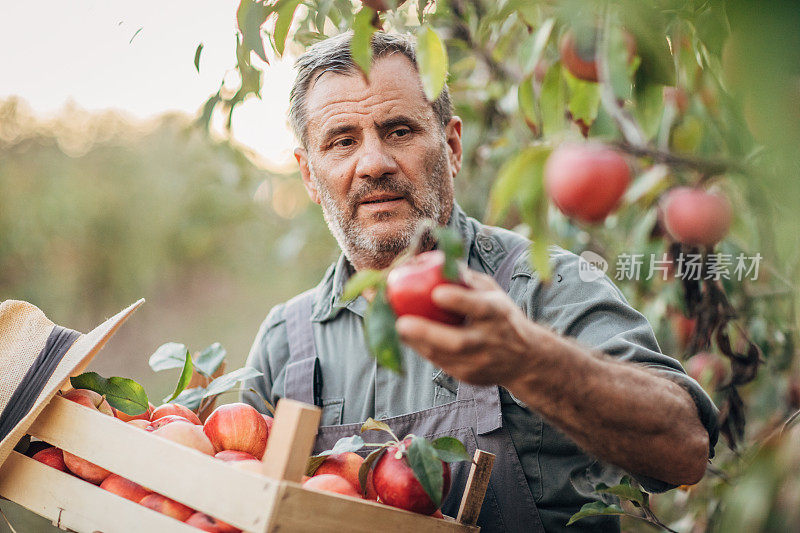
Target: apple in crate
(175, 409)
(89, 399)
(164, 420)
(84, 469)
(187, 434)
(208, 523)
(125, 487)
(144, 416)
(142, 424)
(346, 465)
(331, 483)
(241, 461)
(166, 506)
(51, 456)
(237, 426)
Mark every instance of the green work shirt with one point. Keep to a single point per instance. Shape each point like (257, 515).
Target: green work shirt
(560, 475)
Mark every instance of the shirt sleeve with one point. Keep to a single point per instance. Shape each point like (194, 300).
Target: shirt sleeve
(270, 351)
(596, 314)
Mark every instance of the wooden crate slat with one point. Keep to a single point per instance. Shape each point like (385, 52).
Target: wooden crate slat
(299, 510)
(291, 440)
(477, 482)
(72, 503)
(240, 498)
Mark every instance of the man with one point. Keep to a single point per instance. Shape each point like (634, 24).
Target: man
(559, 380)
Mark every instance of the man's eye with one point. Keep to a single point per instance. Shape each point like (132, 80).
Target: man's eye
(401, 132)
(344, 143)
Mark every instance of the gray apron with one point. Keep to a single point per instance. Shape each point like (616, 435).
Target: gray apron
(475, 418)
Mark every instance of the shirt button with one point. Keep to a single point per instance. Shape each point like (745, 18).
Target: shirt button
(486, 245)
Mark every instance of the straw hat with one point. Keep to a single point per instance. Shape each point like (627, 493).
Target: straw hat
(36, 359)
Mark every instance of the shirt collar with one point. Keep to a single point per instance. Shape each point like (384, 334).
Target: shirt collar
(328, 305)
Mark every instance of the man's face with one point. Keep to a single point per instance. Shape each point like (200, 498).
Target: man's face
(377, 160)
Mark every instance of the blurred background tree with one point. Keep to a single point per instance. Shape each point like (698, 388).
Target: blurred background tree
(97, 210)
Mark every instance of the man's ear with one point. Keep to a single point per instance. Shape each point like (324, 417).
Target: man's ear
(452, 133)
(302, 159)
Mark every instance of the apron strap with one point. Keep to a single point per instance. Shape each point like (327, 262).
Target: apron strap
(303, 375)
(489, 414)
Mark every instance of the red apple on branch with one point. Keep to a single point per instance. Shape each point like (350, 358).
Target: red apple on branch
(695, 216)
(586, 181)
(237, 426)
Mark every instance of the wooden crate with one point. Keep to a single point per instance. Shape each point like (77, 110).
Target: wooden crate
(273, 501)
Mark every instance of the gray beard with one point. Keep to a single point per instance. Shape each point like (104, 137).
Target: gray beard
(433, 201)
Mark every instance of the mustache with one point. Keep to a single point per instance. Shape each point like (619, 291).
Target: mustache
(382, 186)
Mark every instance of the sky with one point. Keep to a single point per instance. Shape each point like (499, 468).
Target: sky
(89, 52)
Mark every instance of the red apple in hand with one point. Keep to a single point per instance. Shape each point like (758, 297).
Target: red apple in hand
(175, 409)
(409, 286)
(694, 216)
(237, 426)
(89, 399)
(51, 456)
(125, 488)
(208, 523)
(397, 485)
(164, 505)
(586, 181)
(331, 483)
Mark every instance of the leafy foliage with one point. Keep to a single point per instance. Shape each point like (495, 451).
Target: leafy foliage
(121, 393)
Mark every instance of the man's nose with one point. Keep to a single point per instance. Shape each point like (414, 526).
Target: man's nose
(375, 160)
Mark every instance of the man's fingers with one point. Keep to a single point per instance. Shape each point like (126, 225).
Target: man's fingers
(430, 338)
(473, 303)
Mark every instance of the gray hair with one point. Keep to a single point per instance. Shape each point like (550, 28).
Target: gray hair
(333, 55)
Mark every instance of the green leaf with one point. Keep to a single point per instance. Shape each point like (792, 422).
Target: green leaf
(197, 56)
(375, 425)
(345, 444)
(526, 100)
(618, 65)
(210, 358)
(540, 257)
(449, 241)
(190, 398)
(286, 10)
(432, 61)
(250, 16)
(450, 450)
(314, 462)
(227, 381)
(427, 468)
(361, 281)
(584, 99)
(360, 47)
(183, 380)
(623, 490)
(535, 44)
(520, 181)
(363, 470)
(123, 394)
(380, 333)
(596, 509)
(553, 101)
(169, 355)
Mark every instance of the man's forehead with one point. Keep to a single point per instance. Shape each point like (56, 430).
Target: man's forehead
(394, 87)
